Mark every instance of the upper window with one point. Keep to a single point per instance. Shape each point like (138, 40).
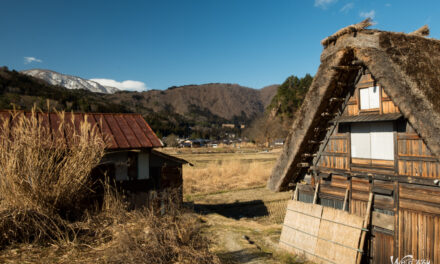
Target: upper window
(369, 97)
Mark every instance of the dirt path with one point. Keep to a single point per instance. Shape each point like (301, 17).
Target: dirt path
(242, 241)
(244, 229)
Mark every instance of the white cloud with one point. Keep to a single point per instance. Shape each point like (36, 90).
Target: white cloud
(347, 7)
(369, 14)
(324, 3)
(28, 60)
(127, 85)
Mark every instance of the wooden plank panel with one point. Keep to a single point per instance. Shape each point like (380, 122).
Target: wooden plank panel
(384, 184)
(420, 193)
(385, 163)
(383, 220)
(419, 206)
(382, 247)
(301, 217)
(360, 184)
(339, 181)
(338, 235)
(363, 196)
(358, 207)
(334, 191)
(359, 161)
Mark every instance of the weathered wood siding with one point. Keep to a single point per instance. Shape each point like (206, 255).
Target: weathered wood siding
(382, 247)
(419, 235)
(415, 159)
(336, 154)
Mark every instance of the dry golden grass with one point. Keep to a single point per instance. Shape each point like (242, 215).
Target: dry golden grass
(225, 175)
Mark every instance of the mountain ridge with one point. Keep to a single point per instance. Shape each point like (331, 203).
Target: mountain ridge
(69, 81)
(198, 110)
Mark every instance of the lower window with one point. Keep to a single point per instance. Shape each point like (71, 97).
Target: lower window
(372, 140)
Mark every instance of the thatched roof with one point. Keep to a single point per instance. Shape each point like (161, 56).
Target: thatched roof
(406, 66)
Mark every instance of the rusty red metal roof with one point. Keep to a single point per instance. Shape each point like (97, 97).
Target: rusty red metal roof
(121, 131)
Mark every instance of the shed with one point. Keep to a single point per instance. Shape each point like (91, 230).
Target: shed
(366, 143)
(131, 159)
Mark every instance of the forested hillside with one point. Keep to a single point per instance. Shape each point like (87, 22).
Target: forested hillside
(280, 113)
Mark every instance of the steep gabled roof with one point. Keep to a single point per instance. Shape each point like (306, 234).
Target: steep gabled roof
(406, 66)
(121, 131)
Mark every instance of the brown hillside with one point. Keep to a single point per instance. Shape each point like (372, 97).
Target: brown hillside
(223, 100)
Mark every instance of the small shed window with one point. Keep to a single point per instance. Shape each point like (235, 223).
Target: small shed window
(143, 166)
(372, 140)
(369, 98)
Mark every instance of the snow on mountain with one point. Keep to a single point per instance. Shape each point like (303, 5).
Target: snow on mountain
(69, 82)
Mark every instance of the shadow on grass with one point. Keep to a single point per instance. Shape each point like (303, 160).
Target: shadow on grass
(242, 256)
(237, 210)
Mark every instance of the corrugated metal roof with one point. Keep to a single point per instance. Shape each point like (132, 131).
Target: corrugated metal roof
(369, 118)
(121, 131)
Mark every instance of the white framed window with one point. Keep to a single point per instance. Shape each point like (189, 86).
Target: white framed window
(369, 97)
(372, 140)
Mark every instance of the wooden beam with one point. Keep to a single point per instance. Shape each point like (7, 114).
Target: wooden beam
(365, 226)
(345, 199)
(295, 194)
(383, 220)
(315, 197)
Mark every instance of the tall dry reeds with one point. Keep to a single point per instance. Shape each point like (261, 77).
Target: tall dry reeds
(43, 177)
(41, 171)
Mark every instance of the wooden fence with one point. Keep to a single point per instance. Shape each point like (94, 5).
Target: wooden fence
(322, 234)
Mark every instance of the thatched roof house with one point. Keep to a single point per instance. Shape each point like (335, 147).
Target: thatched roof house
(406, 66)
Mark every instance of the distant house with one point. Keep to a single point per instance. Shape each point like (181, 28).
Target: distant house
(228, 126)
(131, 159)
(279, 142)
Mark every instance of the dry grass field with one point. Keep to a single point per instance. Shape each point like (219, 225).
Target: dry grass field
(224, 169)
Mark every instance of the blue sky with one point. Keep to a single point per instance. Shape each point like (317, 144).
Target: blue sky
(159, 44)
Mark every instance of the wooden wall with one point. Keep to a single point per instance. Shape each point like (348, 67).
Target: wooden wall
(336, 153)
(414, 157)
(419, 235)
(382, 247)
